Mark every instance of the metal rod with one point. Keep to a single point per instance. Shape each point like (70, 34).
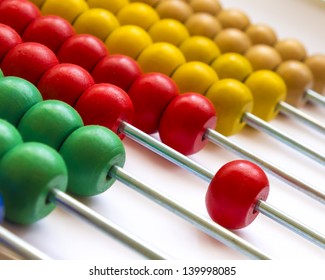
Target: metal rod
(212, 229)
(259, 124)
(291, 223)
(289, 110)
(177, 158)
(315, 97)
(20, 246)
(225, 142)
(68, 202)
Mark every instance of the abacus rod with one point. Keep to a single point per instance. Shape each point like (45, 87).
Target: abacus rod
(314, 97)
(289, 222)
(225, 142)
(71, 204)
(289, 110)
(165, 151)
(259, 124)
(212, 229)
(20, 246)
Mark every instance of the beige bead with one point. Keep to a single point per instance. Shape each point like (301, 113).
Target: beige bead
(233, 18)
(203, 24)
(291, 49)
(261, 34)
(212, 7)
(174, 9)
(316, 64)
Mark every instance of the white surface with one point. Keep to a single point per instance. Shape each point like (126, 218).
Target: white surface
(62, 236)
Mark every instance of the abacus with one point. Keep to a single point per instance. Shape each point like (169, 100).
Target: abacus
(211, 157)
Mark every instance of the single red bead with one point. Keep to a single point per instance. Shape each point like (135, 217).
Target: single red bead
(51, 31)
(150, 95)
(82, 49)
(28, 61)
(18, 14)
(185, 121)
(116, 69)
(107, 105)
(65, 82)
(9, 38)
(233, 193)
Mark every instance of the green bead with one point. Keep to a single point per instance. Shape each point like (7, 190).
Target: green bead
(49, 122)
(28, 173)
(16, 97)
(89, 153)
(9, 137)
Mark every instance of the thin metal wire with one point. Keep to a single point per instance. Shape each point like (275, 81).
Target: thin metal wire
(259, 124)
(21, 247)
(315, 97)
(71, 204)
(212, 229)
(289, 110)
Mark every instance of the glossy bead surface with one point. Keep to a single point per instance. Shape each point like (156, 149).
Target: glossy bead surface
(232, 40)
(89, 153)
(261, 34)
(97, 22)
(18, 14)
(51, 31)
(291, 49)
(233, 18)
(16, 97)
(174, 9)
(28, 61)
(9, 137)
(150, 95)
(199, 48)
(106, 105)
(65, 82)
(268, 89)
(298, 78)
(112, 5)
(9, 38)
(119, 70)
(129, 40)
(233, 193)
(231, 100)
(194, 76)
(139, 14)
(68, 9)
(203, 24)
(316, 64)
(49, 122)
(233, 66)
(161, 57)
(185, 121)
(168, 30)
(82, 49)
(212, 7)
(27, 196)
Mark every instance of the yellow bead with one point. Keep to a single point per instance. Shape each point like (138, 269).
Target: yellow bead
(112, 5)
(129, 40)
(161, 57)
(139, 14)
(98, 22)
(38, 3)
(199, 48)
(68, 9)
(268, 89)
(194, 76)
(174, 9)
(231, 99)
(152, 3)
(233, 66)
(168, 30)
(203, 24)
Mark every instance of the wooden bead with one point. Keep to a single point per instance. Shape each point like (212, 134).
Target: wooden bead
(231, 100)
(27, 196)
(112, 5)
(261, 34)
(174, 9)
(49, 122)
(89, 153)
(316, 64)
(291, 49)
(16, 97)
(268, 89)
(9, 137)
(233, 18)
(9, 38)
(203, 24)
(212, 7)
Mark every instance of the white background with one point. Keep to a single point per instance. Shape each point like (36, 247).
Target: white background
(62, 236)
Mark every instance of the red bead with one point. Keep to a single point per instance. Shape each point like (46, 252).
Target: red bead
(106, 105)
(119, 70)
(52, 31)
(150, 95)
(28, 61)
(65, 82)
(234, 192)
(9, 38)
(18, 14)
(185, 121)
(83, 50)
